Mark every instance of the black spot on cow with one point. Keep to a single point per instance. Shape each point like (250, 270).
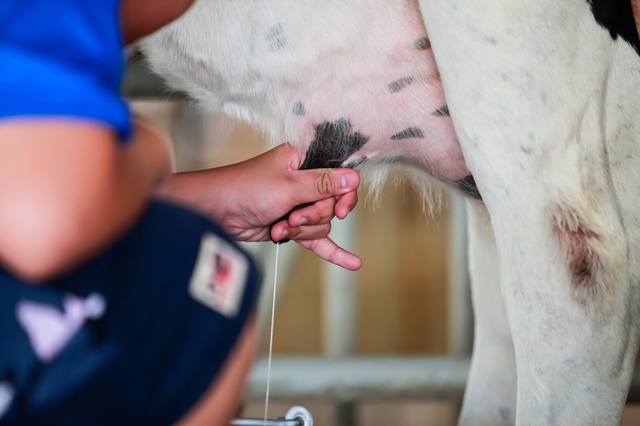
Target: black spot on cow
(617, 17)
(505, 415)
(275, 37)
(467, 185)
(490, 40)
(422, 43)
(443, 111)
(409, 133)
(401, 83)
(333, 144)
(298, 109)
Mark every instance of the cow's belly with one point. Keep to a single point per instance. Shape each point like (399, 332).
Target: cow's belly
(351, 87)
(396, 116)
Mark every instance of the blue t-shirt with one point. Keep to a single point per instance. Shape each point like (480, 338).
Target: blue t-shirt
(62, 58)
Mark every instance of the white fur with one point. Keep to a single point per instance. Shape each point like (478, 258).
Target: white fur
(544, 105)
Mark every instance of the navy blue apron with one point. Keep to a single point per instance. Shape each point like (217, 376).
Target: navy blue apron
(134, 336)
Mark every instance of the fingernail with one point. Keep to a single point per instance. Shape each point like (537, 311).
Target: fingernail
(285, 234)
(347, 181)
(302, 221)
(348, 211)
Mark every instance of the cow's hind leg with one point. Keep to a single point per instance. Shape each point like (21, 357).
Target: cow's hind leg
(544, 100)
(490, 395)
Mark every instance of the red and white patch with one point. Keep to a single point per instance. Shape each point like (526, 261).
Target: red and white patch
(219, 276)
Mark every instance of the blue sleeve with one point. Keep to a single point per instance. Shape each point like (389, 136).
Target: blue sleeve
(62, 58)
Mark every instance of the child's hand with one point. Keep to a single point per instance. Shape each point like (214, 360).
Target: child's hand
(247, 197)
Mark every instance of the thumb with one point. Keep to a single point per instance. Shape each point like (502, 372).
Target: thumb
(318, 184)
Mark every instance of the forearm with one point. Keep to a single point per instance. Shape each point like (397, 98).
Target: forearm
(203, 190)
(222, 192)
(67, 191)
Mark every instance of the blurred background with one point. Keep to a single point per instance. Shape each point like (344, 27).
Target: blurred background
(386, 345)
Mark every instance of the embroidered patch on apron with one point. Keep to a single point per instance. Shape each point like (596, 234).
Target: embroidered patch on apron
(220, 275)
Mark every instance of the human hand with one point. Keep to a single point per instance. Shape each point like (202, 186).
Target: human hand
(248, 197)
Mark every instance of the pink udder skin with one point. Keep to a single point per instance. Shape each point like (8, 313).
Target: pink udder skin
(362, 92)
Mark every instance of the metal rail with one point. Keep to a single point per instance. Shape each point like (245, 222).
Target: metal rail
(360, 378)
(459, 283)
(371, 378)
(269, 422)
(339, 307)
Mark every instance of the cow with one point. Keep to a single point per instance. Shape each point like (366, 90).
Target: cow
(531, 111)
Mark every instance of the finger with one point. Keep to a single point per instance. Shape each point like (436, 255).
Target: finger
(280, 231)
(345, 204)
(310, 232)
(318, 184)
(300, 232)
(320, 212)
(329, 251)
